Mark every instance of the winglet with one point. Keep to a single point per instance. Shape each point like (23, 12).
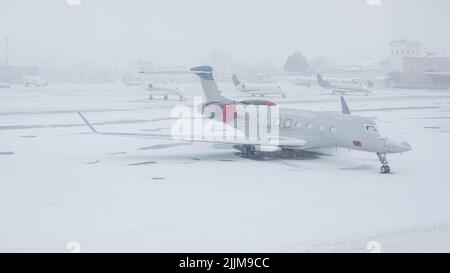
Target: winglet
(345, 109)
(87, 123)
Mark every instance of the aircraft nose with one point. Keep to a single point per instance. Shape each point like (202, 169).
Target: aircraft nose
(400, 147)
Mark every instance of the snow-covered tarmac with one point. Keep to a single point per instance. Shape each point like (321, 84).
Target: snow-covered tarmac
(61, 183)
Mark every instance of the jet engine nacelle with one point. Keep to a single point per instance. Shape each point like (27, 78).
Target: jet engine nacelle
(225, 112)
(267, 148)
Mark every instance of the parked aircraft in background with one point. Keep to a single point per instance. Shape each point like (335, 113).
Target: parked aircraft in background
(35, 81)
(164, 91)
(353, 86)
(4, 84)
(132, 81)
(298, 129)
(257, 89)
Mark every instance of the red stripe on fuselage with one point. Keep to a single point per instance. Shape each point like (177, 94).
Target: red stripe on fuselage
(357, 143)
(229, 113)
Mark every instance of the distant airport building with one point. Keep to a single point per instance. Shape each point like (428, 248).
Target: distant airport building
(417, 66)
(400, 49)
(17, 74)
(355, 68)
(418, 69)
(404, 48)
(427, 72)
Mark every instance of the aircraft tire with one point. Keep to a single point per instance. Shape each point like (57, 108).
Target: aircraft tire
(385, 169)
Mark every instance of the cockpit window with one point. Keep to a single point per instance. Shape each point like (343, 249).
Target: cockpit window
(371, 129)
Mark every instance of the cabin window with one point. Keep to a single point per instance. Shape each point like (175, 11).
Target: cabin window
(287, 123)
(371, 129)
(277, 122)
(333, 129)
(309, 125)
(321, 128)
(298, 124)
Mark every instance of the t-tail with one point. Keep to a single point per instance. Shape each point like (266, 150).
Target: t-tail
(209, 86)
(235, 79)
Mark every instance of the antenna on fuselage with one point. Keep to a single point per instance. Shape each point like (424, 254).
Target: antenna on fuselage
(345, 109)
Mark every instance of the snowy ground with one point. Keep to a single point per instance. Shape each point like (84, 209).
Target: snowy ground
(61, 183)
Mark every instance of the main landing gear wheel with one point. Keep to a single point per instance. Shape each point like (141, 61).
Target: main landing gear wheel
(249, 150)
(385, 169)
(289, 153)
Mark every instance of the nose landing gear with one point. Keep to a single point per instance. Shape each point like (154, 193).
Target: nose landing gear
(385, 169)
(246, 150)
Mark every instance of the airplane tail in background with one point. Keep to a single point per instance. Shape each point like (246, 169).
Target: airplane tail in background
(236, 81)
(321, 81)
(209, 86)
(344, 106)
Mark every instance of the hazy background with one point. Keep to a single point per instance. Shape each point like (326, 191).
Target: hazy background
(251, 32)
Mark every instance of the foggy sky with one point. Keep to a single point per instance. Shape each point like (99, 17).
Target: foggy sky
(185, 32)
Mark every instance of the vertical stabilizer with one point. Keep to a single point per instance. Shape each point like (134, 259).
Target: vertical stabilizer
(236, 81)
(345, 109)
(320, 81)
(209, 86)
